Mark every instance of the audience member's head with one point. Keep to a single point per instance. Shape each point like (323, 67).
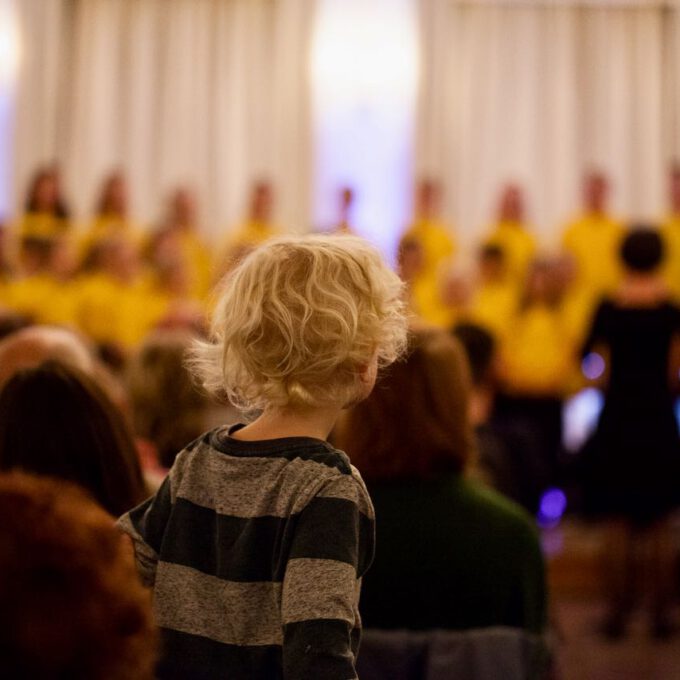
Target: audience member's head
(642, 250)
(595, 192)
(71, 605)
(169, 410)
(33, 345)
(56, 421)
(415, 422)
(11, 323)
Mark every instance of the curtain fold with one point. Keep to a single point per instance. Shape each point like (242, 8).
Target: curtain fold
(538, 92)
(42, 30)
(210, 93)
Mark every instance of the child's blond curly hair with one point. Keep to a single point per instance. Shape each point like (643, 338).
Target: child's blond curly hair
(297, 321)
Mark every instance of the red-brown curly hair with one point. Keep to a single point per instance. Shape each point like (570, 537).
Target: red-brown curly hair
(71, 605)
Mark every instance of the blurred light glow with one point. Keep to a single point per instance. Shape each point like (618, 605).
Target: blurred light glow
(579, 417)
(364, 71)
(552, 506)
(593, 366)
(10, 46)
(365, 50)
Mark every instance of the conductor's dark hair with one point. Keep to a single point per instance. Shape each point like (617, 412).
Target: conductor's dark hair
(642, 250)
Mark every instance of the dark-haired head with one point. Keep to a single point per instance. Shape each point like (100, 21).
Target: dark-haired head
(169, 410)
(642, 250)
(54, 420)
(44, 193)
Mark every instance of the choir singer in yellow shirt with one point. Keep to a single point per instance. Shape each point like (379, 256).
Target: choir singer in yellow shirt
(593, 241)
(512, 234)
(256, 228)
(437, 245)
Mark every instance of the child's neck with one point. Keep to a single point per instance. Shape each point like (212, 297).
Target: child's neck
(286, 422)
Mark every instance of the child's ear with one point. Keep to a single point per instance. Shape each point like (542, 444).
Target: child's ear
(364, 374)
(368, 371)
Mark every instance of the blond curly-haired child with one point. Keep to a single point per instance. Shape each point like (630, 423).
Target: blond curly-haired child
(256, 543)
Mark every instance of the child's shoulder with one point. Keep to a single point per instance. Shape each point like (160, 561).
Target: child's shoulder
(290, 449)
(298, 468)
(220, 441)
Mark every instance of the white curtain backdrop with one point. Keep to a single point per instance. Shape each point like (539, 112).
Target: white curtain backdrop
(537, 92)
(37, 86)
(210, 93)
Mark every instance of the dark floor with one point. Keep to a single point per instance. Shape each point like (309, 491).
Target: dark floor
(583, 654)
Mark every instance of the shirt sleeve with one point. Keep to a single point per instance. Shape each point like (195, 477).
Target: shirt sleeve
(146, 524)
(331, 549)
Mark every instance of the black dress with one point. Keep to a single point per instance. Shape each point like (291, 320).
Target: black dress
(632, 462)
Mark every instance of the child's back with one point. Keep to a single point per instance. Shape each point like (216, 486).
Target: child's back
(256, 543)
(250, 543)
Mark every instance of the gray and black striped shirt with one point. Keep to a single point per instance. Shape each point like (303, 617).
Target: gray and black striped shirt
(255, 552)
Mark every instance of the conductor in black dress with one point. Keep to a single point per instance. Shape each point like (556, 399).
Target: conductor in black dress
(632, 462)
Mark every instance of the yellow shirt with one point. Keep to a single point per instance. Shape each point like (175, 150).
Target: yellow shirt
(536, 353)
(492, 307)
(670, 232)
(245, 237)
(199, 264)
(594, 241)
(103, 227)
(518, 245)
(427, 304)
(437, 242)
(170, 310)
(110, 311)
(578, 307)
(44, 299)
(41, 225)
(439, 247)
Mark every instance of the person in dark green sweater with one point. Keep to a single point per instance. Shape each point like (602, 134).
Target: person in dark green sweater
(450, 553)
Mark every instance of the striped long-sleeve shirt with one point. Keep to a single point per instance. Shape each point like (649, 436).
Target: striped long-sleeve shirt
(255, 552)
